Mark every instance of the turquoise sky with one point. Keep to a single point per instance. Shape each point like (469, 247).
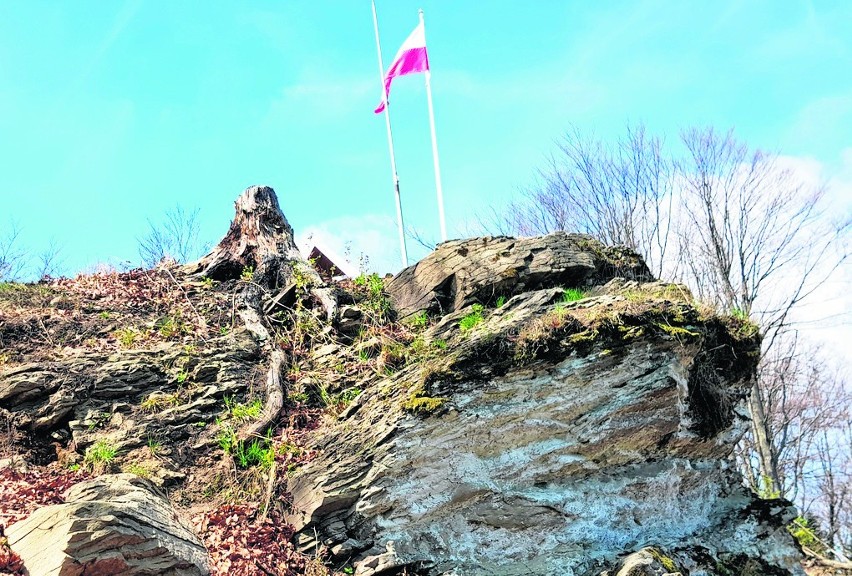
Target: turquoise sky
(113, 112)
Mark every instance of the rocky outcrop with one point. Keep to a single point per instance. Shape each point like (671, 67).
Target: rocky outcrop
(504, 426)
(461, 272)
(115, 524)
(131, 397)
(552, 437)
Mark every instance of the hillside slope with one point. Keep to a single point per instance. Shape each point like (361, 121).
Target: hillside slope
(506, 406)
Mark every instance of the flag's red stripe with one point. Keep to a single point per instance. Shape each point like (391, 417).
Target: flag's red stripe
(410, 61)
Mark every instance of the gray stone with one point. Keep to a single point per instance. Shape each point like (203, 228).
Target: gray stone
(555, 465)
(461, 272)
(115, 524)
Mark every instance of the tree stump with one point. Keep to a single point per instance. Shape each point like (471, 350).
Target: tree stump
(260, 239)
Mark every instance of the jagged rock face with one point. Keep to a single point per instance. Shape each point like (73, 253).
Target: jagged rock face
(115, 524)
(552, 438)
(103, 398)
(461, 272)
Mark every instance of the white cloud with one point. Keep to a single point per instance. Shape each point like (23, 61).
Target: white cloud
(369, 242)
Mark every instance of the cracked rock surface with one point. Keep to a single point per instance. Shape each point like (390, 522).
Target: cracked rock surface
(115, 524)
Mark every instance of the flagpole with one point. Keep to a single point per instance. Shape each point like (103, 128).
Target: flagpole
(390, 145)
(440, 193)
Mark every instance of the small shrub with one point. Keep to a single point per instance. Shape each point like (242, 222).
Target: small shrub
(805, 533)
(302, 277)
(375, 300)
(500, 301)
(247, 275)
(440, 344)
(420, 320)
(472, 319)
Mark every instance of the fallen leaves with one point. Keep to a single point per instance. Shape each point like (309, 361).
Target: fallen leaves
(20, 494)
(241, 543)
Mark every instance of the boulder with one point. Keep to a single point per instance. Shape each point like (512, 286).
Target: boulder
(547, 437)
(115, 524)
(461, 272)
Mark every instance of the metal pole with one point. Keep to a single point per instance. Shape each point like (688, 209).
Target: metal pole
(390, 145)
(428, 76)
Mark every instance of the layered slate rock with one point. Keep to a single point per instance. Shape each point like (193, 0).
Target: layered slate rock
(115, 524)
(551, 438)
(461, 272)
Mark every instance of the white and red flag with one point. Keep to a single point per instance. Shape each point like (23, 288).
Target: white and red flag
(410, 59)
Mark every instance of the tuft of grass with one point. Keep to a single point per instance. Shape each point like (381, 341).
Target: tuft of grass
(243, 412)
(259, 452)
(392, 356)
(160, 401)
(171, 326)
(440, 344)
(127, 337)
(472, 319)
(347, 396)
(154, 446)
(420, 320)
(740, 314)
(247, 275)
(100, 453)
(572, 295)
(227, 439)
(255, 453)
(139, 470)
(500, 301)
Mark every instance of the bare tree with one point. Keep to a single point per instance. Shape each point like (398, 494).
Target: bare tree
(621, 194)
(175, 236)
(737, 227)
(12, 256)
(757, 243)
(50, 261)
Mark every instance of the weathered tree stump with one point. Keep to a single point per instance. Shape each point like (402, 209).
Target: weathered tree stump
(260, 239)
